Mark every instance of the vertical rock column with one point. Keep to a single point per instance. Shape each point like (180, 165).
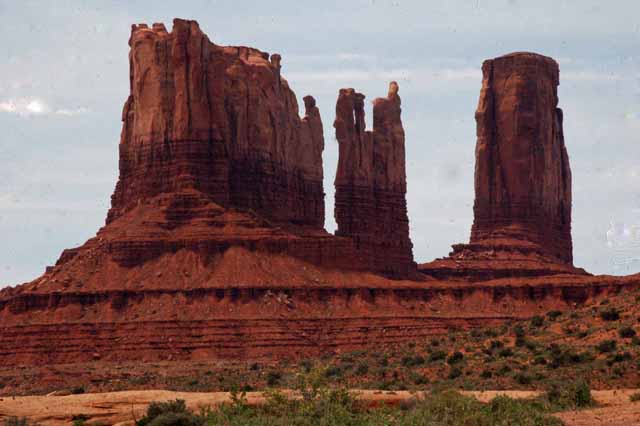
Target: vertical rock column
(370, 205)
(522, 175)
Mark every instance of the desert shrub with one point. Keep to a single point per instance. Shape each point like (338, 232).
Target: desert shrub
(523, 379)
(490, 332)
(170, 413)
(273, 378)
(78, 390)
(16, 421)
(437, 356)
(553, 315)
(418, 379)
(634, 397)
(362, 369)
(411, 361)
(337, 407)
(455, 357)
(496, 344)
(619, 357)
(475, 334)
(569, 396)
(451, 408)
(606, 346)
(610, 314)
(504, 370)
(384, 361)
(506, 352)
(333, 371)
(582, 334)
(255, 366)
(537, 321)
(454, 373)
(627, 332)
(539, 360)
(486, 374)
(306, 365)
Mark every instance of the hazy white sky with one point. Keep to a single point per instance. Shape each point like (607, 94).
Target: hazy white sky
(64, 79)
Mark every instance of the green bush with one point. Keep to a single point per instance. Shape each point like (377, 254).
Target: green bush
(338, 408)
(170, 413)
(569, 396)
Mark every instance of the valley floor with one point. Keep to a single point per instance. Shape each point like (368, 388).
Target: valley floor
(121, 408)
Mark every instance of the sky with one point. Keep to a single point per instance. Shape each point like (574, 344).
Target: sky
(64, 79)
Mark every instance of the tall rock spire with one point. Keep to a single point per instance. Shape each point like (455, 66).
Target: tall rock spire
(522, 176)
(522, 208)
(370, 182)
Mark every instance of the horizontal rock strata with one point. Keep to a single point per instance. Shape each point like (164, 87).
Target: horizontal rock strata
(221, 120)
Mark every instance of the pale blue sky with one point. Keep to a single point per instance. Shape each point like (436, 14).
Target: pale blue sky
(64, 78)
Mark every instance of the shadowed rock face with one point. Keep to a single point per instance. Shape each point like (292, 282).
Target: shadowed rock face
(522, 176)
(522, 209)
(220, 120)
(370, 182)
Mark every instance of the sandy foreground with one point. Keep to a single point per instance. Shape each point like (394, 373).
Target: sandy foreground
(121, 408)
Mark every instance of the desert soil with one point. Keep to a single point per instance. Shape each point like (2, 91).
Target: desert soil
(121, 408)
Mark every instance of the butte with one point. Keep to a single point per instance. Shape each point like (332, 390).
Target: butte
(215, 247)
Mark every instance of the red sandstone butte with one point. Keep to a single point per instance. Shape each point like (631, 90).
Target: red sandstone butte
(371, 206)
(522, 208)
(214, 247)
(220, 120)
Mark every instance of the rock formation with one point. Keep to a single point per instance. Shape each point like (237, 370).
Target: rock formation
(214, 246)
(370, 206)
(220, 120)
(522, 209)
(214, 154)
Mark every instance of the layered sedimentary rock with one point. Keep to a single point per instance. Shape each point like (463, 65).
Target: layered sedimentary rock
(522, 208)
(221, 120)
(214, 154)
(214, 246)
(370, 203)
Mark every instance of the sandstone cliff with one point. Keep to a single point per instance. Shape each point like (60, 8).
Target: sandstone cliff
(522, 208)
(221, 120)
(370, 182)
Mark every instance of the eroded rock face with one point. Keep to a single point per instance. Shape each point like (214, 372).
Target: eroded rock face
(522, 177)
(221, 120)
(370, 182)
(522, 209)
